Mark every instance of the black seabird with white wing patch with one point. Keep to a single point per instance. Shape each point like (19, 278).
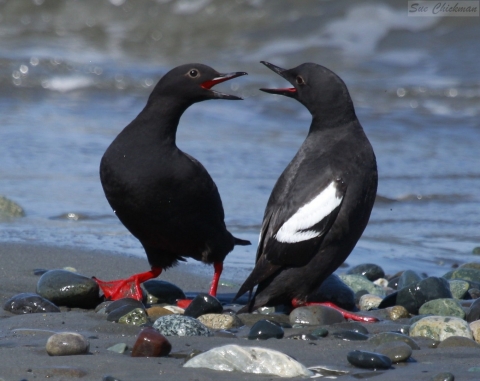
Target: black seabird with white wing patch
(321, 203)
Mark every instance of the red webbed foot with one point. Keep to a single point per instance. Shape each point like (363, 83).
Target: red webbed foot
(346, 314)
(127, 288)
(218, 268)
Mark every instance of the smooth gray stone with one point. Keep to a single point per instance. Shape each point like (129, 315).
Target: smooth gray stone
(67, 344)
(458, 341)
(27, 303)
(352, 326)
(388, 337)
(65, 288)
(320, 332)
(444, 376)
(396, 351)
(160, 291)
(350, 336)
(179, 325)
(474, 312)
(315, 315)
(203, 304)
(264, 330)
(408, 278)
(369, 270)
(251, 319)
(112, 306)
(414, 296)
(369, 360)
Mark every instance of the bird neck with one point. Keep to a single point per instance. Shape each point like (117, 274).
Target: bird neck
(333, 117)
(161, 116)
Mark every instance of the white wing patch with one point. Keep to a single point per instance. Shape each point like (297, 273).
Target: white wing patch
(295, 229)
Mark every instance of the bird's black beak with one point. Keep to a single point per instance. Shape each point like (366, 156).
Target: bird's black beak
(222, 78)
(288, 92)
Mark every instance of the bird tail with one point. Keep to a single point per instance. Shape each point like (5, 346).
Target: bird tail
(241, 242)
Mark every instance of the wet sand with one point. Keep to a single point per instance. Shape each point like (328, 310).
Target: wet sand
(23, 337)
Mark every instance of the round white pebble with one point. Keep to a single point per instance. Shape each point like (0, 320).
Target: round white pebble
(67, 344)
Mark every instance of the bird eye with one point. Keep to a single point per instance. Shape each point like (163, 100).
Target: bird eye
(193, 73)
(300, 80)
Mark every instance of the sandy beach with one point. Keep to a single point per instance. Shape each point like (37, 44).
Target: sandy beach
(23, 337)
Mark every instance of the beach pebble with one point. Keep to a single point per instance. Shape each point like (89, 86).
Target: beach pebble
(315, 315)
(160, 291)
(459, 288)
(120, 308)
(155, 312)
(382, 282)
(474, 312)
(180, 325)
(27, 303)
(334, 290)
(398, 312)
(471, 265)
(110, 378)
(67, 344)
(369, 360)
(458, 341)
(175, 309)
(464, 273)
(474, 293)
(138, 317)
(264, 330)
(266, 310)
(151, 343)
(249, 360)
(444, 376)
(414, 296)
(302, 336)
(118, 348)
(475, 328)
(393, 282)
(443, 307)
(320, 332)
(441, 327)
(203, 304)
(369, 301)
(350, 335)
(389, 337)
(9, 208)
(359, 282)
(369, 270)
(220, 321)
(408, 278)
(396, 351)
(250, 319)
(65, 288)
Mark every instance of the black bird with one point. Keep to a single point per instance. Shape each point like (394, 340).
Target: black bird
(163, 196)
(321, 203)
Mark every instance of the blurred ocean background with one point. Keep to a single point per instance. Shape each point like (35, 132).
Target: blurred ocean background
(73, 74)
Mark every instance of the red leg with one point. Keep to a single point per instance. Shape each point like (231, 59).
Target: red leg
(218, 266)
(127, 288)
(346, 314)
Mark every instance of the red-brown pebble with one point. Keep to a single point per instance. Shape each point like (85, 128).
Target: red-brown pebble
(151, 343)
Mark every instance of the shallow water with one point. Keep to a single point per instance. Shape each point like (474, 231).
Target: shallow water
(73, 74)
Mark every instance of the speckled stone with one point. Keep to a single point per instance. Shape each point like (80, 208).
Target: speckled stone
(369, 270)
(408, 278)
(396, 351)
(459, 288)
(368, 360)
(121, 308)
(474, 312)
(389, 337)
(469, 274)
(334, 290)
(398, 312)
(203, 304)
(65, 288)
(179, 325)
(444, 376)
(368, 302)
(350, 336)
(315, 315)
(471, 265)
(441, 327)
(151, 343)
(138, 316)
(9, 208)
(67, 344)
(27, 303)
(160, 291)
(359, 282)
(264, 330)
(458, 341)
(443, 307)
(220, 321)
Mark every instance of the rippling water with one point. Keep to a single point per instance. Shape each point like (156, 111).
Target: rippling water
(74, 73)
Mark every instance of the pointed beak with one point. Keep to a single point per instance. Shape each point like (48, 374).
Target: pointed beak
(222, 78)
(289, 91)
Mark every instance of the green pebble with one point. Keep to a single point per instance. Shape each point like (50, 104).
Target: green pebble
(476, 250)
(138, 316)
(320, 332)
(443, 307)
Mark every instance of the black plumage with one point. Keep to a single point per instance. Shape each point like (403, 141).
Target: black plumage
(322, 202)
